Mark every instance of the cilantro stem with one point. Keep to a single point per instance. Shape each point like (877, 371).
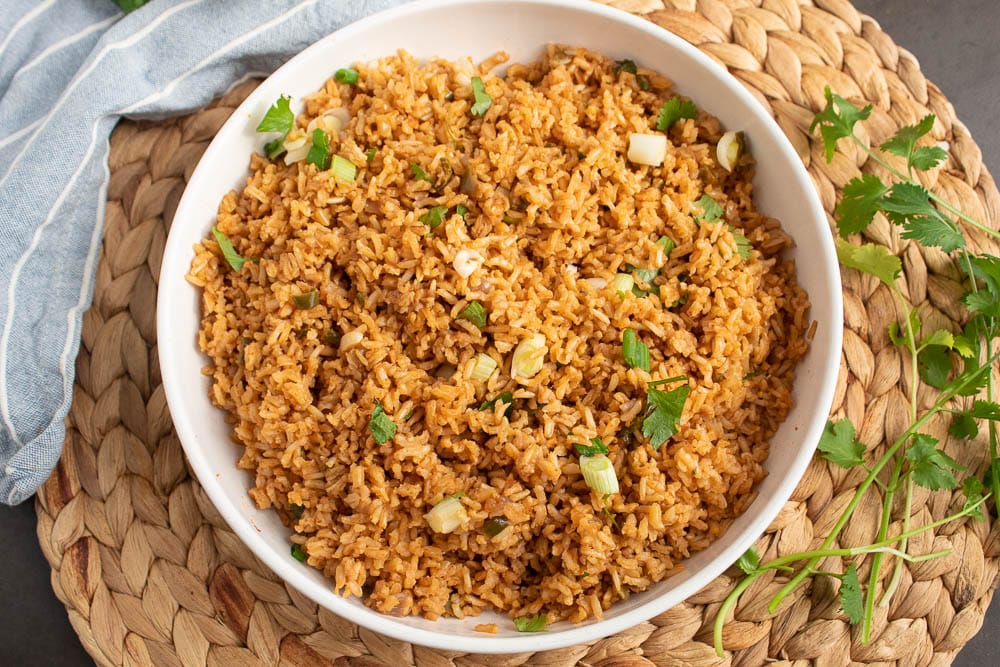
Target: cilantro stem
(940, 201)
(727, 605)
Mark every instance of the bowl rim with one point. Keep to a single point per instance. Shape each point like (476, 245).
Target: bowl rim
(766, 511)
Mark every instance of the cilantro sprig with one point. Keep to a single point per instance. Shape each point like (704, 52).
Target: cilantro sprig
(954, 363)
(663, 410)
(672, 111)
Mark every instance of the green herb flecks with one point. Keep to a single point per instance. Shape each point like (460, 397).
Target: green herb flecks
(673, 110)
(482, 100)
(505, 398)
(710, 209)
(383, 429)
(419, 173)
(531, 623)
(663, 410)
(434, 217)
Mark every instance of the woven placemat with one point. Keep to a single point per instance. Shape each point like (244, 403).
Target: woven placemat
(151, 575)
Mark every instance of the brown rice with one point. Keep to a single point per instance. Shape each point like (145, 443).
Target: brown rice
(553, 202)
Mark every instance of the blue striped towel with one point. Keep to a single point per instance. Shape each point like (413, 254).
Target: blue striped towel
(69, 69)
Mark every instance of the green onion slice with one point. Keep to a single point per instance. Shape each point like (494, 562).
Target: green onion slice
(599, 473)
(298, 553)
(635, 351)
(319, 152)
(235, 260)
(343, 168)
(347, 75)
(476, 313)
(484, 367)
(495, 526)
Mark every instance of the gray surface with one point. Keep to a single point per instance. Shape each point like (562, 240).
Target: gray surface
(955, 42)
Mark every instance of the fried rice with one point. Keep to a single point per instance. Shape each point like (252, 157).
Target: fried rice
(539, 195)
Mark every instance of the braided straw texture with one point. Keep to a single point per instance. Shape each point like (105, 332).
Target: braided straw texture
(151, 575)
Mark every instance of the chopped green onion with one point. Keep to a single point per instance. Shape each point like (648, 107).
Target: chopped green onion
(484, 367)
(419, 173)
(529, 356)
(296, 511)
(279, 117)
(476, 313)
(298, 553)
(531, 623)
(347, 75)
(482, 99)
(447, 515)
(636, 352)
(599, 473)
(383, 429)
(235, 260)
(434, 217)
(667, 244)
(506, 398)
(370, 154)
(306, 300)
(596, 446)
(623, 283)
(343, 168)
(495, 526)
(319, 153)
(729, 149)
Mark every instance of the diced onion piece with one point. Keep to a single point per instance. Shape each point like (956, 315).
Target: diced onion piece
(351, 339)
(597, 283)
(467, 261)
(599, 473)
(484, 367)
(343, 168)
(341, 114)
(447, 515)
(297, 149)
(623, 283)
(573, 268)
(729, 149)
(529, 355)
(648, 149)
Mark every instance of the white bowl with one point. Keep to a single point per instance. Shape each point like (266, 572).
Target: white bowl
(452, 29)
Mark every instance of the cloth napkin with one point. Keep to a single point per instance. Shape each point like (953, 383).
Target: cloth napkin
(69, 70)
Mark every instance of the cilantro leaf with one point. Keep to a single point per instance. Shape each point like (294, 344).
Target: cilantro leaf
(872, 259)
(531, 623)
(596, 446)
(710, 209)
(927, 157)
(851, 601)
(837, 121)
(963, 426)
(279, 117)
(128, 6)
(434, 217)
(934, 365)
(904, 142)
(319, 152)
(940, 337)
(861, 201)
(663, 412)
(930, 467)
(235, 260)
(743, 246)
(275, 149)
(626, 65)
(838, 445)
(383, 429)
(982, 302)
(673, 110)
(908, 204)
(972, 488)
(985, 410)
(901, 336)
(749, 561)
(482, 99)
(636, 352)
(419, 173)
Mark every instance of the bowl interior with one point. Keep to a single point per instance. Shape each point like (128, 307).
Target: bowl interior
(453, 29)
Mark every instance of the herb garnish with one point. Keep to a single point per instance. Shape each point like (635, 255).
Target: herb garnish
(663, 410)
(419, 173)
(476, 313)
(319, 152)
(531, 623)
(279, 117)
(710, 209)
(914, 458)
(635, 351)
(596, 446)
(236, 261)
(383, 429)
(673, 110)
(434, 217)
(506, 398)
(482, 99)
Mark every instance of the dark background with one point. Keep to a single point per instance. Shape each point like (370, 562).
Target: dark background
(956, 44)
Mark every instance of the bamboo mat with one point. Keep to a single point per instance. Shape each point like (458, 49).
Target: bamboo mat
(150, 574)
